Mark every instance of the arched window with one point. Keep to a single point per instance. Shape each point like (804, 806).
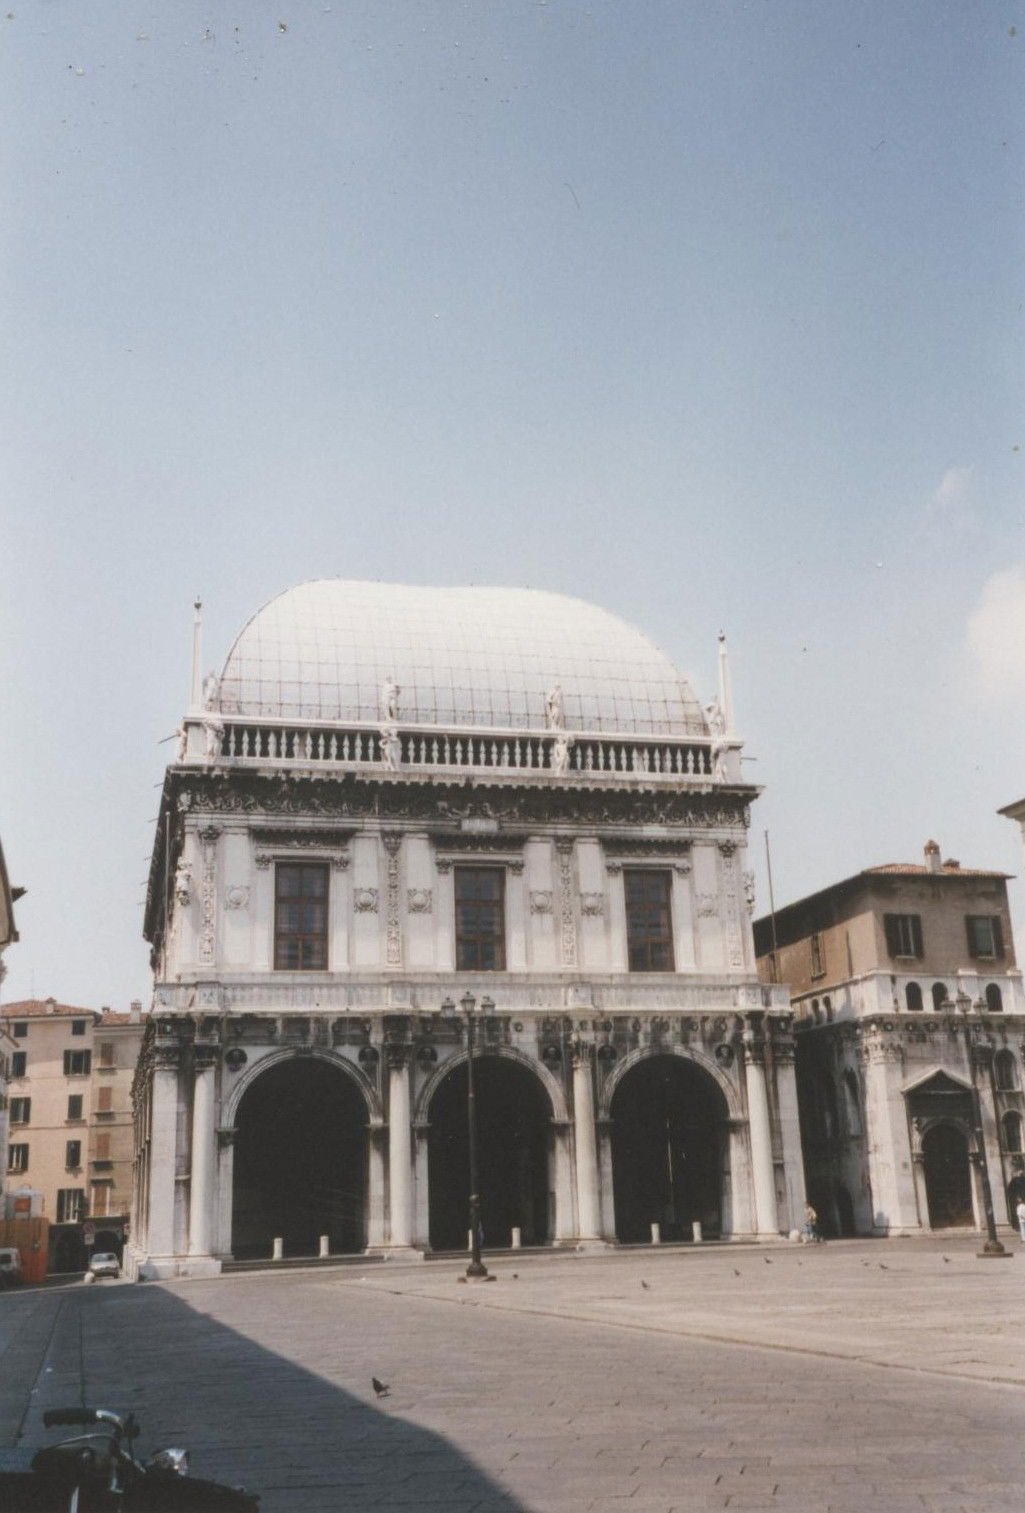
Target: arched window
(939, 996)
(815, 1010)
(994, 998)
(1006, 1071)
(913, 997)
(851, 1102)
(1011, 1126)
(828, 1007)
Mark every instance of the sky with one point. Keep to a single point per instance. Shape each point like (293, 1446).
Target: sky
(710, 313)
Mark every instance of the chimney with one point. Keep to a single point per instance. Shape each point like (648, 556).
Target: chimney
(932, 857)
(50, 1006)
(135, 1010)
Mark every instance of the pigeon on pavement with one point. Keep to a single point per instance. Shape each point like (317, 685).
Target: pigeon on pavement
(381, 1389)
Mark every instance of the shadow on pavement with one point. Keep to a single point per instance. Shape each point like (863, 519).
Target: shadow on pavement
(248, 1415)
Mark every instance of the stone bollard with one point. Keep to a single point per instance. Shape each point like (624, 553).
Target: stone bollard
(656, 1234)
(279, 1248)
(325, 1247)
(517, 1237)
(695, 1230)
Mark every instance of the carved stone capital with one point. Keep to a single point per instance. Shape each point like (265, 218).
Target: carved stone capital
(581, 1053)
(397, 1054)
(391, 840)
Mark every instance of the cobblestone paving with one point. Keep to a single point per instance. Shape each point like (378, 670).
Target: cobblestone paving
(568, 1387)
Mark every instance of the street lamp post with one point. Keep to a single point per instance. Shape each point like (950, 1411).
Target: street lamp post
(476, 1271)
(992, 1250)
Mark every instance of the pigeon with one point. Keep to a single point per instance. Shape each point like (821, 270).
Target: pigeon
(381, 1389)
(516, 1276)
(736, 1273)
(947, 1259)
(645, 1285)
(883, 1267)
(766, 1260)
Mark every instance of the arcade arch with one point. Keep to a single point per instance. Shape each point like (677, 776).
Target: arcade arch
(300, 1160)
(515, 1154)
(669, 1149)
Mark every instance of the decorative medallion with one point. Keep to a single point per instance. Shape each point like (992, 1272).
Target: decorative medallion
(364, 900)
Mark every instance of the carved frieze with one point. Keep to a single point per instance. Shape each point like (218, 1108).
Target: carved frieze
(393, 940)
(353, 797)
(567, 919)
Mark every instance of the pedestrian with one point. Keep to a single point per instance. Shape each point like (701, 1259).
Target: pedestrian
(1019, 1214)
(811, 1224)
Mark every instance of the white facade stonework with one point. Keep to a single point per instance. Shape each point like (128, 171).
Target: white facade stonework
(381, 745)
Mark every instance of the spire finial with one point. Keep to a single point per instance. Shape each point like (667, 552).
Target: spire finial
(196, 699)
(725, 686)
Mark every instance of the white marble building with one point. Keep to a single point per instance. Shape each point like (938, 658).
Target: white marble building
(393, 797)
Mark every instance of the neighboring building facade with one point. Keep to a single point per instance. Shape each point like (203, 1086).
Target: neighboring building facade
(8, 935)
(394, 797)
(907, 1000)
(69, 1107)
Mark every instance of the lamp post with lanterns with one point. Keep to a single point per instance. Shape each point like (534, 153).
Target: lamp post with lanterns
(992, 1250)
(476, 1271)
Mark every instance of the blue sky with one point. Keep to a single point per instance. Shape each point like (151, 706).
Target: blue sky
(710, 313)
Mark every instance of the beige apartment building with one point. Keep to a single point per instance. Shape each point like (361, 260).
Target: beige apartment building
(70, 1119)
(909, 1015)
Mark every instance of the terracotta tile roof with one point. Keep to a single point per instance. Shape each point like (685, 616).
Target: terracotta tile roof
(39, 1008)
(916, 869)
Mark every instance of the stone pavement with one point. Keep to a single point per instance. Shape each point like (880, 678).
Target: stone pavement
(839, 1378)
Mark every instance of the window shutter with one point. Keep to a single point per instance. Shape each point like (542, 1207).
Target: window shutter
(998, 937)
(973, 947)
(892, 929)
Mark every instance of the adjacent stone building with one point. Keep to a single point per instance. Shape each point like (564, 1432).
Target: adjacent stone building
(908, 1002)
(395, 799)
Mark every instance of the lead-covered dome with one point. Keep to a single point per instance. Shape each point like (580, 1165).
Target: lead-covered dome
(462, 657)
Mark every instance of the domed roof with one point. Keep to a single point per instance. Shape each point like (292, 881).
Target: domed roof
(462, 657)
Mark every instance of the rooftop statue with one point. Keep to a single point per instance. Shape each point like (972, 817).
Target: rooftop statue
(554, 713)
(390, 691)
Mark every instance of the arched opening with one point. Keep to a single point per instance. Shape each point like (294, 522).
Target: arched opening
(1015, 1194)
(994, 999)
(107, 1240)
(1005, 1069)
(514, 1156)
(913, 997)
(1011, 1127)
(668, 1150)
(939, 996)
(300, 1161)
(948, 1184)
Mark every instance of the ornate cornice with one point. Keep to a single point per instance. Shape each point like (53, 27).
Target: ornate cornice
(353, 797)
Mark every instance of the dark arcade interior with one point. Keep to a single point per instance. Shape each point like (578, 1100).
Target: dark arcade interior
(668, 1151)
(300, 1162)
(514, 1123)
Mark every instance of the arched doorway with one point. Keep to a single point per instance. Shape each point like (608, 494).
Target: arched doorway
(668, 1150)
(514, 1152)
(300, 1161)
(948, 1183)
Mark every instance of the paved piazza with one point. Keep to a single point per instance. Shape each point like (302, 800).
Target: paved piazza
(849, 1376)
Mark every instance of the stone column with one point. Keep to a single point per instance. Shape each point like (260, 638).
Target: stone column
(760, 1131)
(790, 1129)
(375, 1187)
(894, 1204)
(563, 1227)
(162, 1155)
(588, 1206)
(204, 1152)
(400, 1163)
(225, 1191)
(607, 1190)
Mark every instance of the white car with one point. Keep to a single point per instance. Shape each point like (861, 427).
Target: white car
(105, 1264)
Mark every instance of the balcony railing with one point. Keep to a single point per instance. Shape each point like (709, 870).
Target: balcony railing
(595, 756)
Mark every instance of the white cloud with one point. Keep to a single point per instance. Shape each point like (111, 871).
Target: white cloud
(996, 634)
(952, 501)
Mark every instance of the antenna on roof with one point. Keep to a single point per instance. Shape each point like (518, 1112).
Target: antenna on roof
(196, 699)
(725, 686)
